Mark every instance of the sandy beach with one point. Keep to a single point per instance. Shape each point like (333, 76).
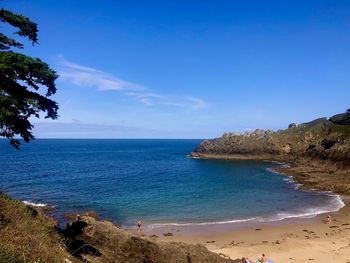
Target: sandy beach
(295, 240)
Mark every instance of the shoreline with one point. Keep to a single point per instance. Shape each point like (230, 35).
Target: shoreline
(247, 222)
(310, 173)
(240, 223)
(222, 226)
(283, 240)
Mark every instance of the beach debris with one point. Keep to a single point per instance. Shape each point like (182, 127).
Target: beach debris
(258, 229)
(211, 241)
(153, 236)
(169, 234)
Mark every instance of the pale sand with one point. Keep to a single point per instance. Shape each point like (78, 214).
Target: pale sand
(292, 240)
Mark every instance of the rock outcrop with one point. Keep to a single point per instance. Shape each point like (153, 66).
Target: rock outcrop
(103, 242)
(342, 119)
(319, 151)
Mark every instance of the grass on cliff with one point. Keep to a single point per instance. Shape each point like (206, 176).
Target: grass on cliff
(27, 236)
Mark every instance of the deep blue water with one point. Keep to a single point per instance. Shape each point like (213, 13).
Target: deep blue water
(152, 180)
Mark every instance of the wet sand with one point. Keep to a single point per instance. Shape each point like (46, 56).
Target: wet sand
(294, 240)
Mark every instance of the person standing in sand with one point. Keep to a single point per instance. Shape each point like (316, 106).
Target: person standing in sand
(263, 259)
(139, 226)
(329, 219)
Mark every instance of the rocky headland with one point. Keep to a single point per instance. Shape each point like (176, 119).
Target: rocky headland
(318, 152)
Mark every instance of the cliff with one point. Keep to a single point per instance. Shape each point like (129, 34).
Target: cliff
(318, 151)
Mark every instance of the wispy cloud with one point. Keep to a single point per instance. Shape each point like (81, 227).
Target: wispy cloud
(89, 77)
(83, 76)
(196, 103)
(147, 98)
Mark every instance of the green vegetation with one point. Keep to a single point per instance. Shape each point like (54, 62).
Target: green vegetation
(323, 139)
(21, 77)
(8, 257)
(318, 151)
(28, 236)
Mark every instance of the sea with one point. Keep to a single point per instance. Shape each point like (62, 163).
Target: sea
(153, 180)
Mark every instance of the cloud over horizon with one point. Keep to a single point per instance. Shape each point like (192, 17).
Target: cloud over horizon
(83, 76)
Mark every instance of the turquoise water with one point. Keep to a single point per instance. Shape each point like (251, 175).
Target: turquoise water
(152, 180)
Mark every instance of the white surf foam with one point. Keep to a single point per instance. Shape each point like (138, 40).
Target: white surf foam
(34, 204)
(157, 225)
(335, 205)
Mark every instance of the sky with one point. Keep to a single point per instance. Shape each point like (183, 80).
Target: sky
(189, 69)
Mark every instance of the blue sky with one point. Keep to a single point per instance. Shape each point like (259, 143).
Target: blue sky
(190, 69)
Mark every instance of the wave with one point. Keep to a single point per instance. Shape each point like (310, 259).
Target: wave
(336, 204)
(287, 178)
(203, 223)
(34, 204)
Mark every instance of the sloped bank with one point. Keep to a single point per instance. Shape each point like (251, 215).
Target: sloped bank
(102, 241)
(318, 152)
(27, 235)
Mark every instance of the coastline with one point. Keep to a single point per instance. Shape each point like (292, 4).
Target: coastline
(310, 173)
(282, 240)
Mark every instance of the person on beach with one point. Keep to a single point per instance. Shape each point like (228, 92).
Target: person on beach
(328, 219)
(78, 218)
(246, 260)
(139, 226)
(263, 259)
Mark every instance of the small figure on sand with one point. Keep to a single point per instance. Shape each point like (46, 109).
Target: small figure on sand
(139, 226)
(329, 219)
(78, 218)
(263, 259)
